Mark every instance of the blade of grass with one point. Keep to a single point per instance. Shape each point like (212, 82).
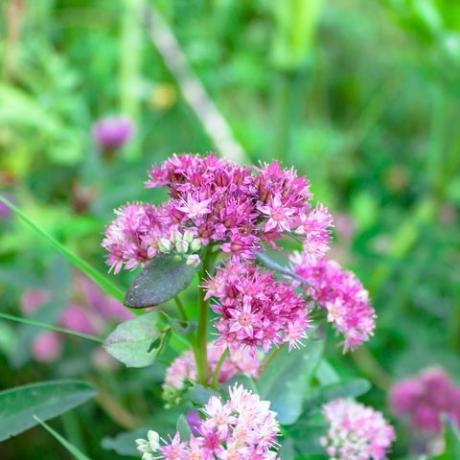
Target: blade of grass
(66, 444)
(50, 327)
(95, 275)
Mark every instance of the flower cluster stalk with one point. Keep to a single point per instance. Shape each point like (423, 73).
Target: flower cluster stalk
(201, 353)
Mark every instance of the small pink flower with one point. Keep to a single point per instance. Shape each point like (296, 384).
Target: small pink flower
(279, 216)
(194, 208)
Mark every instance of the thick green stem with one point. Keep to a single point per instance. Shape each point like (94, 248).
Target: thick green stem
(201, 353)
(215, 375)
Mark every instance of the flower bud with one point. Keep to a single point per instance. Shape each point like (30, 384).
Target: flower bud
(154, 440)
(193, 260)
(176, 236)
(164, 245)
(195, 245)
(188, 236)
(142, 445)
(182, 247)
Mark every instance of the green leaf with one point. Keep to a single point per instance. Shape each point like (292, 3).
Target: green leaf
(159, 281)
(451, 441)
(163, 421)
(45, 400)
(286, 380)
(125, 443)
(100, 279)
(199, 395)
(183, 428)
(287, 451)
(131, 341)
(326, 374)
(69, 446)
(324, 394)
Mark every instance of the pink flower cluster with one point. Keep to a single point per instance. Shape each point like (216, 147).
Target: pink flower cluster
(183, 368)
(356, 432)
(241, 429)
(341, 294)
(236, 207)
(88, 316)
(255, 310)
(425, 397)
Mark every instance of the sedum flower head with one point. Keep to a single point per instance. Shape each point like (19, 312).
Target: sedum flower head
(216, 201)
(255, 310)
(356, 432)
(341, 294)
(242, 428)
(424, 398)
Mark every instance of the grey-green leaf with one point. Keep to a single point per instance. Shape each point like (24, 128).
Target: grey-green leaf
(183, 428)
(44, 400)
(349, 389)
(286, 380)
(160, 280)
(131, 341)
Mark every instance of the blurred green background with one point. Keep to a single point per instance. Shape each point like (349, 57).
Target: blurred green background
(361, 96)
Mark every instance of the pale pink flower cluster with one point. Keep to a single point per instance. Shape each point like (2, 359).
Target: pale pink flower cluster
(355, 432)
(424, 398)
(183, 368)
(255, 310)
(341, 294)
(241, 429)
(238, 208)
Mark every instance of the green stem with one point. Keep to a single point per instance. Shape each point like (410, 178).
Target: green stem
(181, 310)
(201, 353)
(370, 367)
(50, 327)
(215, 375)
(270, 357)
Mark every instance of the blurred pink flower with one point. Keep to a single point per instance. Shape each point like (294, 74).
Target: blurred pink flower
(76, 318)
(183, 368)
(425, 397)
(47, 346)
(112, 132)
(33, 299)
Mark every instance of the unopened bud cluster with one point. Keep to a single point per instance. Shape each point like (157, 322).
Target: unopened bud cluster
(182, 243)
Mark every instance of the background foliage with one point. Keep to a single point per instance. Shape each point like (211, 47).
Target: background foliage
(360, 96)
